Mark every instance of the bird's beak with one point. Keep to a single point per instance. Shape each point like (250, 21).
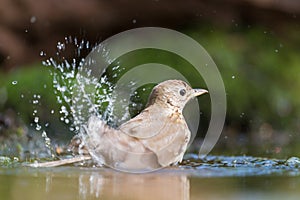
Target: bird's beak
(198, 92)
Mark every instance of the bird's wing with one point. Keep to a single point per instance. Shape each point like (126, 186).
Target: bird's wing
(147, 124)
(113, 148)
(100, 135)
(171, 144)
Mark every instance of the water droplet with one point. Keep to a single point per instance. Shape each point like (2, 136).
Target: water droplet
(276, 50)
(44, 134)
(33, 19)
(36, 119)
(14, 82)
(38, 127)
(134, 21)
(52, 111)
(233, 77)
(42, 53)
(60, 46)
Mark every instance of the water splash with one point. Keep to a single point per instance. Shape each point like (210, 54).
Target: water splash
(73, 83)
(37, 124)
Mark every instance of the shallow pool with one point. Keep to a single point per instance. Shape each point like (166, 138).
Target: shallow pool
(216, 177)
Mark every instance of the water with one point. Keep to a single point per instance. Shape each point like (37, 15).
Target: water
(216, 177)
(81, 94)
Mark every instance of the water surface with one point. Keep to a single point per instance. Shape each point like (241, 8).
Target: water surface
(213, 178)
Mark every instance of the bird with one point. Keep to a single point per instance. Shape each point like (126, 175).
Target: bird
(157, 137)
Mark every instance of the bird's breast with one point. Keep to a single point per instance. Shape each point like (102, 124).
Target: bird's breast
(176, 117)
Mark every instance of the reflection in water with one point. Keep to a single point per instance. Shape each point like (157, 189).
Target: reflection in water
(109, 184)
(133, 186)
(48, 182)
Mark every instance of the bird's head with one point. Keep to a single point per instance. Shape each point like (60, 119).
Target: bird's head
(173, 93)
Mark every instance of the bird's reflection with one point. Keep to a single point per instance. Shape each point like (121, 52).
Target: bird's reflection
(105, 183)
(117, 185)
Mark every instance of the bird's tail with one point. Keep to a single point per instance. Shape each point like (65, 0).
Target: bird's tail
(95, 129)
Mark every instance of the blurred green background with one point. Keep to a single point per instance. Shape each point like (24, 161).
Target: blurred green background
(255, 44)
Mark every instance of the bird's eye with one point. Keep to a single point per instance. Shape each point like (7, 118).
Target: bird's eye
(182, 92)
